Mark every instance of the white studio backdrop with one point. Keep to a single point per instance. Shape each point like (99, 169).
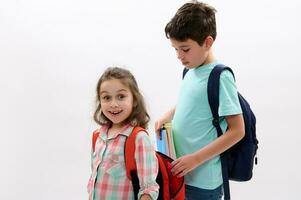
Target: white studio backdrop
(53, 52)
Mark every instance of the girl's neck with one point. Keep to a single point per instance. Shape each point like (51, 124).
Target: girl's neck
(117, 128)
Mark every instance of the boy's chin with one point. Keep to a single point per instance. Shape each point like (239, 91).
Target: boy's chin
(187, 65)
(190, 67)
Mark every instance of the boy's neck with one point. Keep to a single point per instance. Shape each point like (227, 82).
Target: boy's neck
(210, 58)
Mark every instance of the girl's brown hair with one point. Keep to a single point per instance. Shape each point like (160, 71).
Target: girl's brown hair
(139, 115)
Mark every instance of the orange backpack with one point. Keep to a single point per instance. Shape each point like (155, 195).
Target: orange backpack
(171, 187)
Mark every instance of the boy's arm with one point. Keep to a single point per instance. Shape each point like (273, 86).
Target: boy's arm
(235, 132)
(167, 117)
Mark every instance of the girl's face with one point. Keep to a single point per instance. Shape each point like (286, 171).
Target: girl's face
(116, 101)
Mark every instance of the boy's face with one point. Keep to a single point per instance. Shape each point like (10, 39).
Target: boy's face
(190, 53)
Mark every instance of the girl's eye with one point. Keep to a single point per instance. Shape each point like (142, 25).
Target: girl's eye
(185, 50)
(105, 98)
(120, 97)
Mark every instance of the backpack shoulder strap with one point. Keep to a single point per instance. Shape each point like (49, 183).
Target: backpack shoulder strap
(185, 70)
(213, 98)
(129, 151)
(94, 138)
(213, 93)
(129, 159)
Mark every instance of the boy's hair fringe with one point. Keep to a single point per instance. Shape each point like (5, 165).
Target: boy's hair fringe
(194, 20)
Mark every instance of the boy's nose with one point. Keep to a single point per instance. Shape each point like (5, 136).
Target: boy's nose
(180, 55)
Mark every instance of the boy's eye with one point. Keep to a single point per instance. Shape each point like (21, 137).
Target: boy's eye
(184, 50)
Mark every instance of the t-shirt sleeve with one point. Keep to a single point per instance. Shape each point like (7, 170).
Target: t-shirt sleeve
(228, 98)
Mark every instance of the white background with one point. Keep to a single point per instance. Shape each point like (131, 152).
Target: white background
(52, 53)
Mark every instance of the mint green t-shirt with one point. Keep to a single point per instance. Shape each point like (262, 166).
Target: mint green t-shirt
(192, 123)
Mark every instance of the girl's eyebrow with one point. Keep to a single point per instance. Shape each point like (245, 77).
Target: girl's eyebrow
(102, 92)
(121, 90)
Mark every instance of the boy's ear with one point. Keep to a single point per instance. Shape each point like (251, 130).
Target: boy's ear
(209, 41)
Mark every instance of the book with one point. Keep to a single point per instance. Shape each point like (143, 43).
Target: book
(165, 142)
(161, 143)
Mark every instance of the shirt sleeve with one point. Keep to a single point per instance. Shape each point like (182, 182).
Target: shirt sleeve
(147, 166)
(229, 102)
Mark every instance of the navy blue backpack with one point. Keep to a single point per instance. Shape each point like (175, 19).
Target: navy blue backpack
(237, 161)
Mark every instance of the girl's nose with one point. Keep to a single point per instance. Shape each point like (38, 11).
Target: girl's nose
(114, 104)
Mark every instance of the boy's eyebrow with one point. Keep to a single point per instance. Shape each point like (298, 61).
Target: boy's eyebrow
(182, 46)
(185, 45)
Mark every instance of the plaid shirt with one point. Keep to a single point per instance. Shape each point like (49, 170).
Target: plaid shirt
(108, 180)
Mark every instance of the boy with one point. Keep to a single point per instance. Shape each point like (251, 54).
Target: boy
(192, 32)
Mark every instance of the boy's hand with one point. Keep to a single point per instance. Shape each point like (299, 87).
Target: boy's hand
(158, 126)
(167, 117)
(184, 164)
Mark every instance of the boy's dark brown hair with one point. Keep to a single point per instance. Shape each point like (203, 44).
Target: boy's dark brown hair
(139, 115)
(194, 20)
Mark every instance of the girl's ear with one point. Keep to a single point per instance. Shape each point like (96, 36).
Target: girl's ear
(135, 104)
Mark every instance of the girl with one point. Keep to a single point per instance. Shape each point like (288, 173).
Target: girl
(120, 107)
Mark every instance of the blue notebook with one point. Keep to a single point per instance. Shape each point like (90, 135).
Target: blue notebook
(161, 142)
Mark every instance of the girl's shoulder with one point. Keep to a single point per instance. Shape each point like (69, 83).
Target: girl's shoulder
(103, 128)
(143, 137)
(100, 129)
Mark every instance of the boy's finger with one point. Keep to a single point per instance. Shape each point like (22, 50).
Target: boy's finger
(157, 127)
(175, 162)
(183, 173)
(178, 170)
(158, 134)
